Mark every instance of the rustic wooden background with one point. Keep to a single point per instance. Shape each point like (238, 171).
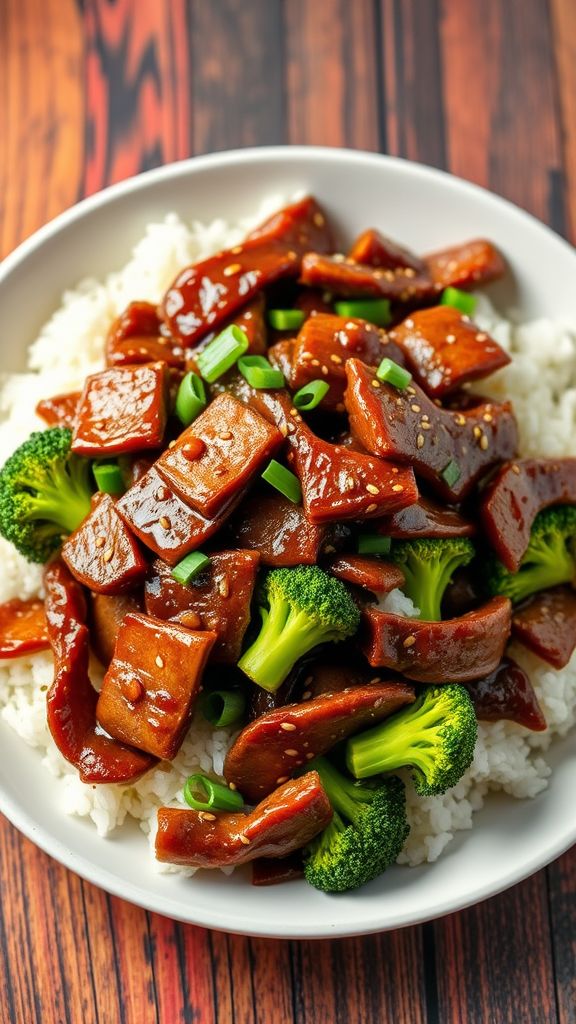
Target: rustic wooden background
(92, 91)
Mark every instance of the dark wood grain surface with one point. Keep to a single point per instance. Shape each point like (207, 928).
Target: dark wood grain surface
(92, 91)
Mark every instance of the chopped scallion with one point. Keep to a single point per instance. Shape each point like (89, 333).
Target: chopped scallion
(376, 311)
(283, 480)
(190, 566)
(391, 373)
(191, 398)
(451, 473)
(108, 477)
(458, 300)
(221, 354)
(222, 707)
(203, 794)
(286, 319)
(260, 373)
(373, 544)
(311, 394)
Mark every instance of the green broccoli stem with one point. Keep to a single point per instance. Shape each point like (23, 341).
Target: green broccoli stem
(425, 584)
(345, 796)
(65, 495)
(404, 739)
(285, 636)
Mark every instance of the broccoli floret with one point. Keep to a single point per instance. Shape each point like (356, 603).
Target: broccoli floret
(549, 559)
(306, 607)
(428, 566)
(435, 736)
(44, 493)
(365, 836)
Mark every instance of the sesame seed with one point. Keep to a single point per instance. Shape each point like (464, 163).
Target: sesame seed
(108, 554)
(233, 268)
(281, 779)
(411, 390)
(487, 417)
(450, 338)
(460, 419)
(425, 416)
(425, 426)
(232, 786)
(481, 336)
(244, 839)
(288, 726)
(372, 682)
(420, 441)
(318, 219)
(225, 435)
(516, 469)
(208, 816)
(315, 362)
(398, 487)
(409, 272)
(409, 323)
(375, 383)
(372, 489)
(291, 752)
(159, 661)
(373, 507)
(477, 432)
(409, 641)
(484, 442)
(310, 755)
(415, 408)
(224, 587)
(325, 370)
(335, 359)
(100, 542)
(283, 429)
(236, 250)
(164, 522)
(172, 444)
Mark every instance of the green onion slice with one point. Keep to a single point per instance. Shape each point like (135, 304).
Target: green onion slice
(222, 707)
(373, 544)
(311, 394)
(108, 477)
(203, 794)
(191, 398)
(376, 311)
(260, 373)
(391, 373)
(286, 319)
(221, 354)
(451, 473)
(191, 566)
(458, 300)
(283, 480)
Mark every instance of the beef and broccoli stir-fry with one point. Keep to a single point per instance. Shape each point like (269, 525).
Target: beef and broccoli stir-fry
(280, 506)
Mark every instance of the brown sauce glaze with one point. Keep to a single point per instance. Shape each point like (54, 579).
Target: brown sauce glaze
(507, 693)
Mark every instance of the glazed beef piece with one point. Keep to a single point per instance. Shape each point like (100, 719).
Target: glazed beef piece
(279, 530)
(355, 280)
(332, 673)
(451, 651)
(445, 350)
(71, 699)
(514, 497)
(323, 345)
(275, 872)
(218, 599)
(284, 822)
(152, 683)
(165, 523)
(23, 628)
(102, 553)
(465, 266)
(370, 573)
(425, 518)
(139, 336)
(215, 458)
(251, 319)
(406, 426)
(122, 410)
(61, 410)
(375, 250)
(337, 483)
(546, 625)
(107, 613)
(507, 693)
(206, 294)
(269, 750)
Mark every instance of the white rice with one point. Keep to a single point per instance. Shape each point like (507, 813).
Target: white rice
(542, 383)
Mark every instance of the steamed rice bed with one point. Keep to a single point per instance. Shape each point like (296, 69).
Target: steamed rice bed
(541, 381)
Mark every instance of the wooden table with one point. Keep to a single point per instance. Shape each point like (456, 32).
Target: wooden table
(94, 91)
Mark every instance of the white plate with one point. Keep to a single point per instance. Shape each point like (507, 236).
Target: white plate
(424, 209)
